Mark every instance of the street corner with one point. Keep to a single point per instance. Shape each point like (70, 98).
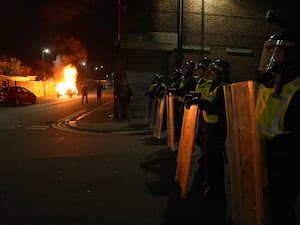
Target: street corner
(132, 127)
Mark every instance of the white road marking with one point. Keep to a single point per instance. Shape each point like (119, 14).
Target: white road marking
(36, 127)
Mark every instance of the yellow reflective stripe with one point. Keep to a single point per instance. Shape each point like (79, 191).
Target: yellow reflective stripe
(268, 132)
(275, 125)
(271, 109)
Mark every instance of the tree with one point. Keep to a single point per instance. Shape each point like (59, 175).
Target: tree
(10, 66)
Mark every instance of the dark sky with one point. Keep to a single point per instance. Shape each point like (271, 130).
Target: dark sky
(81, 29)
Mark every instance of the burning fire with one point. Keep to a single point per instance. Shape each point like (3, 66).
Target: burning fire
(67, 86)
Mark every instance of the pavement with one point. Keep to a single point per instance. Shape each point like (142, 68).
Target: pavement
(135, 126)
(101, 118)
(104, 122)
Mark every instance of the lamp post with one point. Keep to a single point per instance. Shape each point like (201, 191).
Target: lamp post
(82, 65)
(44, 74)
(202, 29)
(43, 56)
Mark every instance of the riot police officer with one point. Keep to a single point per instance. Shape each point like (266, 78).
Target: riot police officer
(203, 82)
(156, 91)
(277, 114)
(201, 90)
(187, 84)
(209, 180)
(176, 77)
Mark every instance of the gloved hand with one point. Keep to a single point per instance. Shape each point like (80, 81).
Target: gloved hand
(191, 100)
(172, 90)
(267, 79)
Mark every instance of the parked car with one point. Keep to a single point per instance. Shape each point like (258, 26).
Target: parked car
(16, 95)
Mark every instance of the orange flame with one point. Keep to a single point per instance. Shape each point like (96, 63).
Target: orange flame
(68, 84)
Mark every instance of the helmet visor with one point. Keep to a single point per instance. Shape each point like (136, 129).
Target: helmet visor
(273, 55)
(208, 72)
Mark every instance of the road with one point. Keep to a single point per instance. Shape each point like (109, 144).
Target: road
(54, 176)
(51, 175)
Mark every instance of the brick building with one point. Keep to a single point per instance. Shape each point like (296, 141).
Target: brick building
(160, 35)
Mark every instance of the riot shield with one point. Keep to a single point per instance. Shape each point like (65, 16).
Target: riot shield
(170, 121)
(185, 169)
(148, 110)
(153, 108)
(159, 118)
(246, 161)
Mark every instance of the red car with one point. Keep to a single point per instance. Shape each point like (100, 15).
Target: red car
(16, 95)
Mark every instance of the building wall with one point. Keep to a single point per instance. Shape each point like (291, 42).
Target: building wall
(21, 70)
(233, 30)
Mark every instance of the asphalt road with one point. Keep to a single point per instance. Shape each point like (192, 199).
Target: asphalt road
(68, 177)
(53, 176)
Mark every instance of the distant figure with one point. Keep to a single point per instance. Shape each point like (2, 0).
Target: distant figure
(84, 92)
(99, 93)
(123, 96)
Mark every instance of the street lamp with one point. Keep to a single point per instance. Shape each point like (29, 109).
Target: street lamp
(82, 65)
(44, 75)
(82, 68)
(43, 56)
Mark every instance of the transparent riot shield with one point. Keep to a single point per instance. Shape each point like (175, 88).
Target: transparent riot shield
(170, 121)
(246, 160)
(159, 118)
(184, 173)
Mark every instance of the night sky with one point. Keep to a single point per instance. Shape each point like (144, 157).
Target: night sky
(79, 29)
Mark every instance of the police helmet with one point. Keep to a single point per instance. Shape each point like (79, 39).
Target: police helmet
(280, 54)
(156, 77)
(203, 63)
(189, 64)
(177, 73)
(190, 67)
(222, 69)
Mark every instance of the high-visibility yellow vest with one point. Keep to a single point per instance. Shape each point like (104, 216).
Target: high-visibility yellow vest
(182, 83)
(203, 87)
(270, 109)
(151, 87)
(211, 96)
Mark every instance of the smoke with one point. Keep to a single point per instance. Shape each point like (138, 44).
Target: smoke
(76, 28)
(61, 11)
(68, 51)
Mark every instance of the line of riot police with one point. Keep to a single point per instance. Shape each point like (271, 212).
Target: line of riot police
(198, 99)
(198, 83)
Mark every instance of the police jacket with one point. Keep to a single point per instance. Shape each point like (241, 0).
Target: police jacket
(203, 86)
(151, 90)
(279, 115)
(212, 104)
(186, 85)
(174, 84)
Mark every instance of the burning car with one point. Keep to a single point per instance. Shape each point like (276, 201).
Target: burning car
(67, 84)
(65, 91)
